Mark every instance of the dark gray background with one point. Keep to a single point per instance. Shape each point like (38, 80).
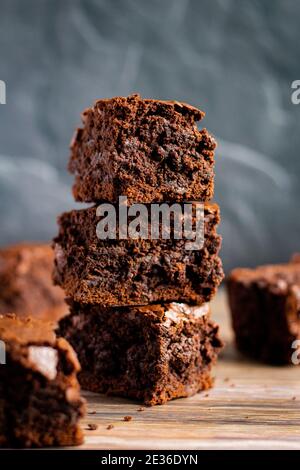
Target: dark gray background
(235, 59)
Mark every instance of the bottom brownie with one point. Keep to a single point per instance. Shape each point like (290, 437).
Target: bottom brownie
(40, 403)
(153, 354)
(265, 309)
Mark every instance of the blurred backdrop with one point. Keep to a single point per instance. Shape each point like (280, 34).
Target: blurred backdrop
(235, 59)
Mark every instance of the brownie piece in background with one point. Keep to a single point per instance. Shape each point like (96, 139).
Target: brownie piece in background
(153, 353)
(135, 271)
(26, 286)
(146, 150)
(40, 403)
(295, 258)
(264, 304)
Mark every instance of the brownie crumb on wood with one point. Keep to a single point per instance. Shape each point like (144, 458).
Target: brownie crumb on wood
(92, 427)
(127, 418)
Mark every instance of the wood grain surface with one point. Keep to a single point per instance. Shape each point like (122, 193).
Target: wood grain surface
(252, 406)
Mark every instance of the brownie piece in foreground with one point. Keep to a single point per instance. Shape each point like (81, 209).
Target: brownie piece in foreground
(144, 149)
(134, 271)
(26, 286)
(153, 353)
(40, 403)
(264, 304)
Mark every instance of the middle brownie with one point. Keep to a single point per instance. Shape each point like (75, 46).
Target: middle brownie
(135, 271)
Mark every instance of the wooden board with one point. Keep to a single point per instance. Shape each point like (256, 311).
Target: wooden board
(251, 407)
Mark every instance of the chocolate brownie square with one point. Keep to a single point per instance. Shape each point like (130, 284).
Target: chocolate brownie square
(135, 271)
(153, 353)
(147, 150)
(264, 304)
(40, 403)
(26, 286)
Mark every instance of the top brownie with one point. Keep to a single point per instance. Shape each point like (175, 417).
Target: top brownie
(144, 149)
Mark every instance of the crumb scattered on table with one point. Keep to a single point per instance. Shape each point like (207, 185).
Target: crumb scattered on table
(110, 426)
(127, 418)
(141, 409)
(92, 427)
(92, 412)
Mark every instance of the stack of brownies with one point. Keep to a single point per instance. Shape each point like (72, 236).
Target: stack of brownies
(139, 314)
